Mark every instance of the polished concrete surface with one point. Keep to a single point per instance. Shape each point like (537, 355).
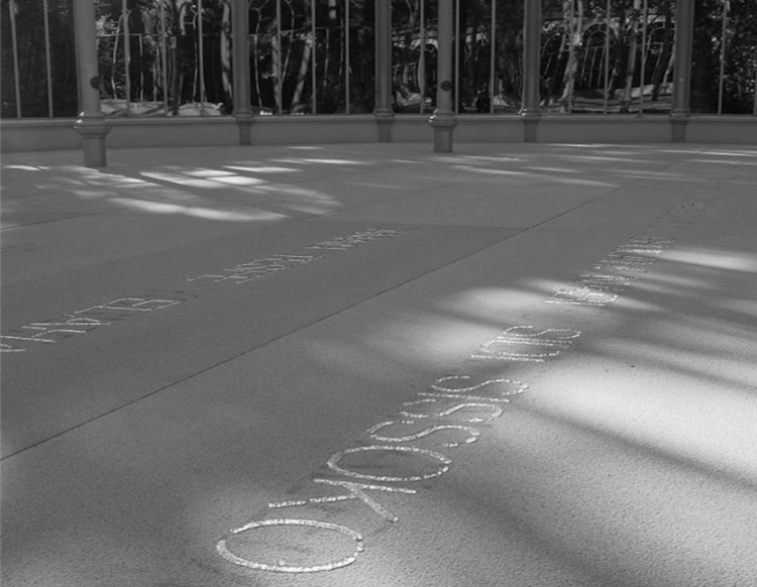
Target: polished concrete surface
(372, 365)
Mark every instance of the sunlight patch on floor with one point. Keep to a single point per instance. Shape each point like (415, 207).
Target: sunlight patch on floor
(730, 260)
(197, 211)
(487, 303)
(263, 169)
(679, 418)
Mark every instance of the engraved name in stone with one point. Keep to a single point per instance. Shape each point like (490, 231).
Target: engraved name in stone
(355, 239)
(81, 322)
(472, 433)
(603, 288)
(245, 272)
(282, 566)
(456, 387)
(449, 384)
(605, 281)
(355, 464)
(440, 467)
(360, 482)
(622, 264)
(356, 491)
(249, 270)
(526, 343)
(517, 343)
(494, 411)
(582, 296)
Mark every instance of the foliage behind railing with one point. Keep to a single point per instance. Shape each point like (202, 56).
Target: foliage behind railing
(174, 57)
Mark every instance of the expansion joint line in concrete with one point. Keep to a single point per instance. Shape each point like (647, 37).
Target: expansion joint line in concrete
(249, 351)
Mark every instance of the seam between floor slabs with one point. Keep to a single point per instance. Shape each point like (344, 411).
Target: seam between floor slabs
(319, 320)
(247, 351)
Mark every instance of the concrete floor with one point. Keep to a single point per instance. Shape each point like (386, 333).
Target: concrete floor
(238, 366)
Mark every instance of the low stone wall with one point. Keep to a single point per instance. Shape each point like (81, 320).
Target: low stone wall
(59, 134)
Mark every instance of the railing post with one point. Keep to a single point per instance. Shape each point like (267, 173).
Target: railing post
(679, 114)
(383, 111)
(443, 120)
(90, 124)
(532, 27)
(240, 34)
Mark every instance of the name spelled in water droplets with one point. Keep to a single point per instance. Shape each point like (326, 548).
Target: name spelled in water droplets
(355, 239)
(368, 472)
(527, 343)
(245, 272)
(80, 322)
(256, 268)
(610, 276)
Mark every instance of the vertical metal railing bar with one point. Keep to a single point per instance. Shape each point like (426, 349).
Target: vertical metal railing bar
(48, 61)
(492, 56)
(608, 19)
(753, 35)
(642, 73)
(754, 110)
(127, 56)
(723, 43)
(456, 41)
(141, 68)
(12, 6)
(422, 57)
(572, 55)
(278, 53)
(347, 56)
(201, 56)
(164, 55)
(313, 59)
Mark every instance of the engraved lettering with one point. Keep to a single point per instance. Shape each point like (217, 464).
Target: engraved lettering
(494, 411)
(60, 333)
(583, 296)
(511, 386)
(282, 566)
(7, 348)
(514, 342)
(356, 491)
(334, 463)
(73, 321)
(473, 434)
(28, 338)
(605, 282)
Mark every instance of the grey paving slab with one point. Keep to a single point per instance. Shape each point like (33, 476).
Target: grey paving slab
(194, 325)
(626, 460)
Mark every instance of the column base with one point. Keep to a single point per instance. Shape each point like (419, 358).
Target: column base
(443, 124)
(93, 133)
(244, 124)
(384, 122)
(530, 124)
(678, 128)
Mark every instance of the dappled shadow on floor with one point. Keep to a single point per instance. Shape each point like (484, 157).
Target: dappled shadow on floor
(274, 184)
(628, 462)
